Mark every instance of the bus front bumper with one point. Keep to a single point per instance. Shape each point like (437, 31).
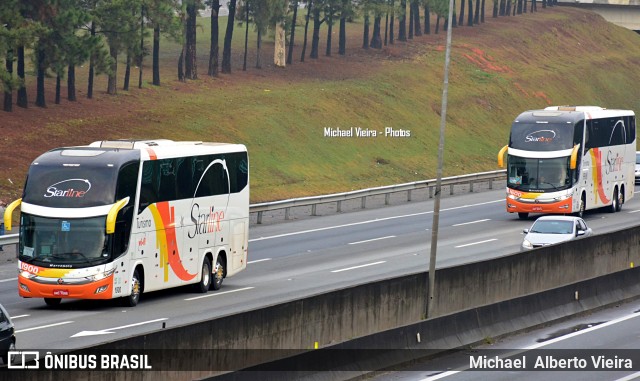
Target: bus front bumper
(57, 288)
(558, 207)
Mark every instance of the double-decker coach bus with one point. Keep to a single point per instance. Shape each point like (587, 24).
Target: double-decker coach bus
(118, 218)
(570, 159)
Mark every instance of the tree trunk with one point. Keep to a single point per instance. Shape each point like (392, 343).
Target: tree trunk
(127, 73)
(71, 83)
(495, 8)
(190, 62)
(40, 57)
(246, 37)
(292, 33)
(141, 57)
(482, 12)
(315, 38)
(113, 77)
(461, 19)
(327, 51)
(258, 50)
(306, 30)
(416, 19)
(92, 62)
(476, 15)
(411, 20)
(470, 16)
(391, 27)
(8, 91)
(342, 38)
(58, 80)
(437, 24)
(386, 28)
(427, 20)
(181, 77)
(280, 48)
(226, 52)
(376, 39)
(156, 55)
(402, 27)
(365, 33)
(214, 51)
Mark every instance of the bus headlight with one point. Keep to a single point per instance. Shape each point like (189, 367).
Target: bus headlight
(562, 198)
(527, 245)
(101, 276)
(28, 275)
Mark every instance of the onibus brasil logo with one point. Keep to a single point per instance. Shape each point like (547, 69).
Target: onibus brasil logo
(69, 188)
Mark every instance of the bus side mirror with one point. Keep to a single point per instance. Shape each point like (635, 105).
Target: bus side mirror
(574, 157)
(501, 156)
(8, 213)
(113, 212)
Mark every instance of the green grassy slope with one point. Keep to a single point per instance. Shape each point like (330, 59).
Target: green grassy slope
(498, 69)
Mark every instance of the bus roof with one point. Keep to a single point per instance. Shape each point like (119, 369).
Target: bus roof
(164, 148)
(570, 114)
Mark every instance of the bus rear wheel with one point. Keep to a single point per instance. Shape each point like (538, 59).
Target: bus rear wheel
(205, 279)
(522, 215)
(52, 302)
(218, 274)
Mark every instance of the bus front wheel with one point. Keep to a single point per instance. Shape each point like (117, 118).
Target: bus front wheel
(52, 302)
(136, 289)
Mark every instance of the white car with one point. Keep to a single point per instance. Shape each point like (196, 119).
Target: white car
(637, 166)
(548, 230)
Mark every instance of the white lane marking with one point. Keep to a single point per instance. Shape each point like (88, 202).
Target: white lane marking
(109, 330)
(43, 326)
(259, 260)
(472, 222)
(371, 240)
(358, 267)
(18, 316)
(544, 343)
(219, 293)
(477, 243)
(633, 211)
(8, 280)
(370, 221)
(630, 377)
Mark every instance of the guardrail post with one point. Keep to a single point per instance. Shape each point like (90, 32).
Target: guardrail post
(387, 197)
(470, 186)
(259, 217)
(451, 190)
(409, 195)
(339, 208)
(490, 184)
(363, 202)
(286, 213)
(430, 192)
(313, 210)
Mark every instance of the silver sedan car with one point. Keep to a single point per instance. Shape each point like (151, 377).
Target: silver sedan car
(548, 230)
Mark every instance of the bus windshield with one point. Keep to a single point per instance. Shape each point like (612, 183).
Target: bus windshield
(63, 241)
(539, 175)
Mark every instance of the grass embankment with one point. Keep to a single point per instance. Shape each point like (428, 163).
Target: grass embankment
(498, 69)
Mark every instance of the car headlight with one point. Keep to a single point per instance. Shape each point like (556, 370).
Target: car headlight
(527, 245)
(28, 275)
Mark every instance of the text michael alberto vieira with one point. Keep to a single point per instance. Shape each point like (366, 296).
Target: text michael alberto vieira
(548, 362)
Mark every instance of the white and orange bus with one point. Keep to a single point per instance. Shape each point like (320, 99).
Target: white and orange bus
(570, 159)
(118, 218)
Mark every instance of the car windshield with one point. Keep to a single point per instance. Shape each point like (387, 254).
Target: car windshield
(552, 227)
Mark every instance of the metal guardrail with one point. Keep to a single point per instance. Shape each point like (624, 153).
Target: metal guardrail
(8, 239)
(338, 198)
(386, 190)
